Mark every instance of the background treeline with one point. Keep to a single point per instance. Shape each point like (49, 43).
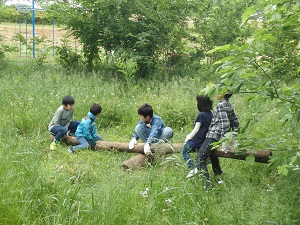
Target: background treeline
(153, 37)
(142, 38)
(11, 14)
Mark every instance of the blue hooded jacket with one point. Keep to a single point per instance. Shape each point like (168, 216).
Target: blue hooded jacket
(87, 127)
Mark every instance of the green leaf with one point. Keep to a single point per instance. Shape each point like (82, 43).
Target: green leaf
(248, 98)
(246, 16)
(283, 112)
(283, 170)
(259, 46)
(219, 49)
(293, 160)
(211, 90)
(247, 75)
(250, 159)
(237, 88)
(228, 58)
(276, 16)
(295, 86)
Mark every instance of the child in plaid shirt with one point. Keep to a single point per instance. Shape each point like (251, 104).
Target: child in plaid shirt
(224, 120)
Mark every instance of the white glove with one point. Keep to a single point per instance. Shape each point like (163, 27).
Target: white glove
(188, 137)
(147, 150)
(132, 143)
(224, 147)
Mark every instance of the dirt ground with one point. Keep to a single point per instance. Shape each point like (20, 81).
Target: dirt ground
(52, 37)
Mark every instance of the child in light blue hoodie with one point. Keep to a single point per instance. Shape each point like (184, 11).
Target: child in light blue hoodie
(87, 132)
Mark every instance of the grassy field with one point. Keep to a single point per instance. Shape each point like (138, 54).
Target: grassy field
(40, 186)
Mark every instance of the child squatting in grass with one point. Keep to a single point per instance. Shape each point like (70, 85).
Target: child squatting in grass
(62, 122)
(87, 132)
(150, 129)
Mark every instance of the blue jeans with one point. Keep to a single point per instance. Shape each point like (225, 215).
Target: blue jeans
(188, 147)
(83, 143)
(59, 131)
(143, 132)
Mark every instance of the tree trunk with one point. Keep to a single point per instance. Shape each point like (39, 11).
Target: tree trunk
(261, 156)
(135, 162)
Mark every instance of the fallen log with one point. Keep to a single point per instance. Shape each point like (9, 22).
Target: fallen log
(261, 156)
(135, 162)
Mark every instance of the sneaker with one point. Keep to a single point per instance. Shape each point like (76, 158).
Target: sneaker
(192, 173)
(71, 150)
(53, 145)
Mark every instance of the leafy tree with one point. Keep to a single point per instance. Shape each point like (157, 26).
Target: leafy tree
(8, 13)
(145, 30)
(255, 66)
(218, 23)
(162, 27)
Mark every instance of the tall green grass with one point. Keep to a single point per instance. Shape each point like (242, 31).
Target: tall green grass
(39, 186)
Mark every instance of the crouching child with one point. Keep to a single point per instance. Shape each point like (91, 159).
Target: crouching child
(87, 132)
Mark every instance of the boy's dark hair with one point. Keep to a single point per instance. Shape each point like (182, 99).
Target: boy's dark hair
(68, 100)
(227, 95)
(203, 103)
(95, 109)
(145, 110)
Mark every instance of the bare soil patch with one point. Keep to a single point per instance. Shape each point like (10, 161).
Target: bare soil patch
(51, 37)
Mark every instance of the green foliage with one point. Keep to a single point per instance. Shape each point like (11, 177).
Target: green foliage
(8, 14)
(218, 23)
(264, 65)
(146, 30)
(251, 69)
(68, 57)
(127, 67)
(17, 12)
(4, 48)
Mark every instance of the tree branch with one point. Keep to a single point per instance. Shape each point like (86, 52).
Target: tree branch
(273, 84)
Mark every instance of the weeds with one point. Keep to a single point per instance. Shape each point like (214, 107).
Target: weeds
(39, 186)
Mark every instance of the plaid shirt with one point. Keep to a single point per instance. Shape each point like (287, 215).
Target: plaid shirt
(224, 120)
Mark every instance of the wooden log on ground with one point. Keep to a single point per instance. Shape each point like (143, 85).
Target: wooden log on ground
(135, 162)
(261, 156)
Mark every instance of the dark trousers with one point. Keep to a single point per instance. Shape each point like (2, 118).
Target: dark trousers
(59, 131)
(201, 159)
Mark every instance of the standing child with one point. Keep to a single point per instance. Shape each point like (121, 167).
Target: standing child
(61, 122)
(87, 132)
(194, 139)
(224, 120)
(150, 129)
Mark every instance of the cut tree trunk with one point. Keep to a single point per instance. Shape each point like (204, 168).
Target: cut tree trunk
(135, 162)
(261, 156)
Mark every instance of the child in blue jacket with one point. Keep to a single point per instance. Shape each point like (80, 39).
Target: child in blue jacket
(87, 132)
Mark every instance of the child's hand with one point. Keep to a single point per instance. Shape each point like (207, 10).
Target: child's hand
(188, 137)
(132, 143)
(93, 142)
(147, 149)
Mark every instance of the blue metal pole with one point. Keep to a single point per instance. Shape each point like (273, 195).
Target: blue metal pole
(20, 37)
(26, 34)
(52, 37)
(33, 34)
